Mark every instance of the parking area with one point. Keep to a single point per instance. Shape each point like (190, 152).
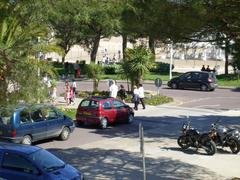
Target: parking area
(114, 153)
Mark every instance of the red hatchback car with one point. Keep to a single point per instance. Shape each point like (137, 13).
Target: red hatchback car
(103, 111)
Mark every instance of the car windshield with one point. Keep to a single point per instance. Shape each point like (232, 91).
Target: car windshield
(6, 115)
(46, 160)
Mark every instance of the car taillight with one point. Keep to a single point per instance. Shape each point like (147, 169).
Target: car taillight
(210, 80)
(13, 133)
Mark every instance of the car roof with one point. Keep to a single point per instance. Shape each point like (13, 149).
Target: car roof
(25, 149)
(199, 72)
(98, 98)
(22, 106)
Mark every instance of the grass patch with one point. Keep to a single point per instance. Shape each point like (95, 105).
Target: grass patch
(70, 112)
(158, 99)
(229, 80)
(149, 98)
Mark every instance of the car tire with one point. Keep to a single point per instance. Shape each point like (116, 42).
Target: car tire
(79, 124)
(65, 134)
(130, 118)
(103, 123)
(174, 86)
(27, 140)
(204, 87)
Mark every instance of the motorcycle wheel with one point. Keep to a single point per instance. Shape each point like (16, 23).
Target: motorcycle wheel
(183, 142)
(210, 147)
(234, 145)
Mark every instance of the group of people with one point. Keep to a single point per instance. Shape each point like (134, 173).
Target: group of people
(70, 91)
(137, 96)
(208, 69)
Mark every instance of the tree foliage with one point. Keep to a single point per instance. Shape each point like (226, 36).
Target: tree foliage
(18, 67)
(139, 60)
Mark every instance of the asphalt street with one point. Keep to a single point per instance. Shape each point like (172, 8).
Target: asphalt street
(220, 99)
(114, 153)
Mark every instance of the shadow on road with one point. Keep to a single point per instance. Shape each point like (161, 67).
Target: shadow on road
(119, 164)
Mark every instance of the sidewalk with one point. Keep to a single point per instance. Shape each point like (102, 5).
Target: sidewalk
(119, 157)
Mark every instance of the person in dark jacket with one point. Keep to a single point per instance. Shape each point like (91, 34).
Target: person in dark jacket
(122, 93)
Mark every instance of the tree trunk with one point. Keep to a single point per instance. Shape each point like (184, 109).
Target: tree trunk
(66, 50)
(226, 56)
(93, 54)
(95, 84)
(3, 91)
(124, 44)
(151, 44)
(63, 58)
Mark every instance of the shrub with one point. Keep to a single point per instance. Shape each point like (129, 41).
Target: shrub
(149, 99)
(161, 68)
(111, 69)
(158, 99)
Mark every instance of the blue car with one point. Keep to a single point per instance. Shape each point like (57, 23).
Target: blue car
(23, 162)
(28, 124)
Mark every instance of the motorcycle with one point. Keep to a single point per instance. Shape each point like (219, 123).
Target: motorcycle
(192, 138)
(225, 137)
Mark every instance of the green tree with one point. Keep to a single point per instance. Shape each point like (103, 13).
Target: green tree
(140, 60)
(18, 66)
(100, 18)
(63, 17)
(94, 72)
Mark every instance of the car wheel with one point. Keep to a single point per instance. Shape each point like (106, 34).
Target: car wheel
(174, 86)
(130, 118)
(204, 87)
(80, 123)
(103, 123)
(27, 140)
(65, 134)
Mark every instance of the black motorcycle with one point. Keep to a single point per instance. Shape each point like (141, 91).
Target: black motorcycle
(192, 138)
(225, 137)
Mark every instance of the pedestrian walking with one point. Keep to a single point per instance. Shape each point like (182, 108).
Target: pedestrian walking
(76, 67)
(113, 89)
(141, 95)
(122, 93)
(135, 97)
(71, 96)
(74, 85)
(54, 95)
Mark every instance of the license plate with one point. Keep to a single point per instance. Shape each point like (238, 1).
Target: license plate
(86, 113)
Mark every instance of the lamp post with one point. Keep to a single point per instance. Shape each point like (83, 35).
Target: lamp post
(38, 56)
(171, 60)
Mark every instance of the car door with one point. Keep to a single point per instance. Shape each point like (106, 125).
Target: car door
(15, 166)
(121, 111)
(196, 80)
(185, 80)
(108, 111)
(39, 124)
(25, 123)
(54, 122)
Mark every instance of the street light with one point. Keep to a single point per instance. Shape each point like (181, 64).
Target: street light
(171, 60)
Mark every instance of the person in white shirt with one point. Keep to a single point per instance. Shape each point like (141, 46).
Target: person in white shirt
(141, 95)
(135, 97)
(113, 89)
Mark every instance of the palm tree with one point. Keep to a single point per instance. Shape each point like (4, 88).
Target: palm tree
(139, 60)
(94, 71)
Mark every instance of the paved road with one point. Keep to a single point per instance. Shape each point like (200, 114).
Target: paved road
(114, 153)
(220, 99)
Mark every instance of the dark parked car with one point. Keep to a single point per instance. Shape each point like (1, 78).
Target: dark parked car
(205, 81)
(25, 162)
(27, 124)
(103, 111)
